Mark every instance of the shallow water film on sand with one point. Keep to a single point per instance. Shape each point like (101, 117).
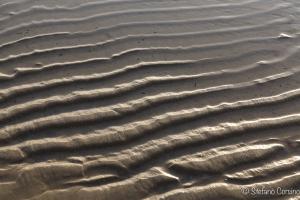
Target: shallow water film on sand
(149, 99)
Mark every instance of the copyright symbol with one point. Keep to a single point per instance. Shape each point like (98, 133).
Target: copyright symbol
(245, 191)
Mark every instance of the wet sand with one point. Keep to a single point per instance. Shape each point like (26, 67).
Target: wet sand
(140, 99)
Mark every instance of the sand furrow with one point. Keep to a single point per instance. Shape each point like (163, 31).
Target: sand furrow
(90, 115)
(93, 8)
(122, 134)
(128, 74)
(135, 12)
(135, 56)
(267, 170)
(229, 191)
(140, 154)
(24, 5)
(84, 96)
(41, 41)
(219, 160)
(122, 16)
(108, 48)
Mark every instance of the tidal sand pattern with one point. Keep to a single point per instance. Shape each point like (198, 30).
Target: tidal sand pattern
(149, 99)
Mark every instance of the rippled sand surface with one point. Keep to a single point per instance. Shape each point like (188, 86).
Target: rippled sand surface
(149, 99)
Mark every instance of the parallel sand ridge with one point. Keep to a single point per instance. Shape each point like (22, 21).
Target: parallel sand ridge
(138, 99)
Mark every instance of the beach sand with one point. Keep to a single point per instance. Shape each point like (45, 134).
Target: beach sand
(149, 99)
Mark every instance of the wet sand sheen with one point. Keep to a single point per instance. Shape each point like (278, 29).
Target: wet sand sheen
(138, 99)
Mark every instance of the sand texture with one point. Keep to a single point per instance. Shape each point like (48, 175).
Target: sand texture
(149, 99)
